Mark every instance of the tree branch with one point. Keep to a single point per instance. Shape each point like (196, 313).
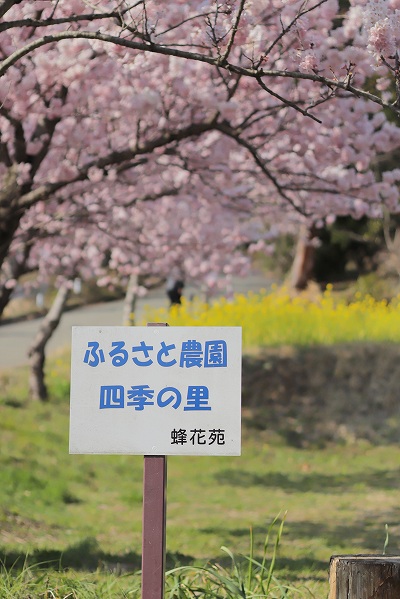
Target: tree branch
(225, 55)
(49, 22)
(256, 73)
(285, 30)
(43, 192)
(287, 102)
(6, 5)
(226, 129)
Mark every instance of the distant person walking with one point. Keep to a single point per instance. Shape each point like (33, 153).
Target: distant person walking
(175, 291)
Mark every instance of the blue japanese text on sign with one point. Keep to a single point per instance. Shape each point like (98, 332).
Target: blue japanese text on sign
(156, 390)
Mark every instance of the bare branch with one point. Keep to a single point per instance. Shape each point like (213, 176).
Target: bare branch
(6, 5)
(257, 73)
(96, 35)
(287, 102)
(205, 15)
(51, 21)
(226, 129)
(288, 28)
(225, 55)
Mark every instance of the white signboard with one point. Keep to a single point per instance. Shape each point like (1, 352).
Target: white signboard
(156, 390)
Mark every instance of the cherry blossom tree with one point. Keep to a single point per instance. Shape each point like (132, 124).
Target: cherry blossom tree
(141, 240)
(264, 104)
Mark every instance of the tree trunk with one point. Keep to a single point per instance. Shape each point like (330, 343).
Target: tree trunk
(5, 296)
(13, 269)
(128, 315)
(364, 577)
(36, 353)
(7, 231)
(10, 212)
(304, 260)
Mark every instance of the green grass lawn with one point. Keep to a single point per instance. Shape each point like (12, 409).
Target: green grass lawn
(84, 512)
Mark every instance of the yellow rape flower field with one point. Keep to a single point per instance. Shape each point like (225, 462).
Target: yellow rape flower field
(277, 318)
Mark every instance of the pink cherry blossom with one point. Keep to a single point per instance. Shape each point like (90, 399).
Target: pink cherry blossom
(121, 160)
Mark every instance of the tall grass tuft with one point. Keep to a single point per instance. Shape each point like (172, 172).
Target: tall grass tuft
(41, 581)
(244, 578)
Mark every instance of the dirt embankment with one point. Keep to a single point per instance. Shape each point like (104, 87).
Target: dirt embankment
(315, 395)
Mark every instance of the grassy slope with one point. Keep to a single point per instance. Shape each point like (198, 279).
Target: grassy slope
(86, 510)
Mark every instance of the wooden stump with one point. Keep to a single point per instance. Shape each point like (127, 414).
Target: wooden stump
(364, 577)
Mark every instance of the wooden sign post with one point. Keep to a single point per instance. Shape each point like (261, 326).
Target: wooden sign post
(154, 522)
(155, 391)
(154, 525)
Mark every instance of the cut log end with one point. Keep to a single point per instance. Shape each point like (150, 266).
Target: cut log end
(364, 577)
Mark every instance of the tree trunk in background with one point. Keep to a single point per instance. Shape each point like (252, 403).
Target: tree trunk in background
(128, 314)
(304, 260)
(36, 353)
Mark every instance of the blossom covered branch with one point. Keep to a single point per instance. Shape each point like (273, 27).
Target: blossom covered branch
(284, 39)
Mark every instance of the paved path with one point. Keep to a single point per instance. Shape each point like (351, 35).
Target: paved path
(16, 338)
